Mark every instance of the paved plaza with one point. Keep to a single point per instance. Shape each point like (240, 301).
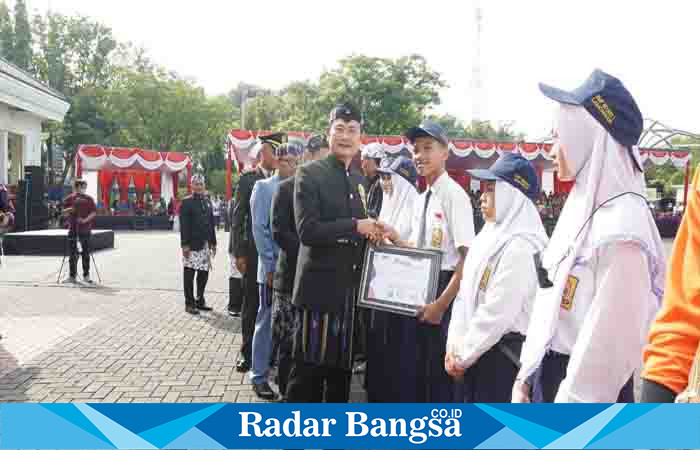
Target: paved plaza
(129, 340)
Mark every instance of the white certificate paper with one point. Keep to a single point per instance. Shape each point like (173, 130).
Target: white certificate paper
(400, 278)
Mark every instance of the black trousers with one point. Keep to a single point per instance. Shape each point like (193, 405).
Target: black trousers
(73, 239)
(249, 306)
(202, 278)
(653, 392)
(235, 294)
(309, 383)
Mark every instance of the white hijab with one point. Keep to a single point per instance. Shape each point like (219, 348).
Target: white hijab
(397, 208)
(603, 170)
(516, 216)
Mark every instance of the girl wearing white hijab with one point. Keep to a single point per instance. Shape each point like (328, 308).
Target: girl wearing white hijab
(387, 332)
(492, 310)
(605, 259)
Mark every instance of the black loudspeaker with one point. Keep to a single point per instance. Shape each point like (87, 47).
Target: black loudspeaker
(32, 211)
(34, 176)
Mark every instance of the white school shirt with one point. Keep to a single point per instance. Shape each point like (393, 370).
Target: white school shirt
(449, 200)
(603, 323)
(504, 300)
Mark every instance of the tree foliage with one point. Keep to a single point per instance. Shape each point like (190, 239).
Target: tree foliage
(392, 94)
(117, 95)
(7, 32)
(22, 46)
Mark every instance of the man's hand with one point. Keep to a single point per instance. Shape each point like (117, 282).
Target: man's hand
(186, 252)
(242, 264)
(270, 278)
(521, 392)
(366, 227)
(431, 313)
(451, 366)
(388, 232)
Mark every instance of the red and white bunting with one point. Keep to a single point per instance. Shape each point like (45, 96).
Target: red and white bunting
(95, 157)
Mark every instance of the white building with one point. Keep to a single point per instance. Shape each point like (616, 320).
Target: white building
(24, 104)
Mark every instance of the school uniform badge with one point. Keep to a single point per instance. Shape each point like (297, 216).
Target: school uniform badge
(363, 195)
(485, 279)
(437, 235)
(567, 299)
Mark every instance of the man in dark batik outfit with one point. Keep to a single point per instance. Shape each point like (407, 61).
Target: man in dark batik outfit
(242, 243)
(331, 218)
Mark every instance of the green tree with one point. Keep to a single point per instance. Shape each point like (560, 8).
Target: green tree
(392, 94)
(452, 125)
(22, 48)
(7, 33)
(74, 56)
(484, 130)
(265, 112)
(216, 181)
(163, 111)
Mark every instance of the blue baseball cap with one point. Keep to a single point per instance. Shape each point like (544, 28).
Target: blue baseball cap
(608, 101)
(427, 128)
(401, 166)
(290, 148)
(514, 170)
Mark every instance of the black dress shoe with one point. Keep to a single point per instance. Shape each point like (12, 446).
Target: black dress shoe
(234, 313)
(192, 310)
(202, 304)
(242, 365)
(264, 391)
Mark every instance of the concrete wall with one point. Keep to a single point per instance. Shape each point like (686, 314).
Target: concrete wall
(28, 126)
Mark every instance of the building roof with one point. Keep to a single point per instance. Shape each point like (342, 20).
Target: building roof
(20, 89)
(25, 77)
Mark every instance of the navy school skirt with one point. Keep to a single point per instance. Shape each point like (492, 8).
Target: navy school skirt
(406, 358)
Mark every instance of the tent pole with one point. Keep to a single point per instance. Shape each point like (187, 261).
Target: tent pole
(228, 173)
(687, 180)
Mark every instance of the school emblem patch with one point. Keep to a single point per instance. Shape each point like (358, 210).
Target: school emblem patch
(485, 279)
(567, 299)
(363, 195)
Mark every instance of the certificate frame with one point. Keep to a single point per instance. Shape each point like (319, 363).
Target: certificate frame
(427, 283)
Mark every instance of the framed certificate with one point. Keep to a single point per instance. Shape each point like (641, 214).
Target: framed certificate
(398, 279)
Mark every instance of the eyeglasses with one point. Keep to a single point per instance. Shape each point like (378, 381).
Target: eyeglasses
(385, 176)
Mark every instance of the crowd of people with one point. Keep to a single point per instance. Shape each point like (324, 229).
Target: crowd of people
(519, 315)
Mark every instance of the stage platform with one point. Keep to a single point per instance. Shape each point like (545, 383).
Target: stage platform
(51, 242)
(133, 223)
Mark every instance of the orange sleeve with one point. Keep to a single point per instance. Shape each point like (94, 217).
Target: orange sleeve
(675, 334)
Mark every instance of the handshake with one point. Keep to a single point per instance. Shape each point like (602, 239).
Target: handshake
(377, 231)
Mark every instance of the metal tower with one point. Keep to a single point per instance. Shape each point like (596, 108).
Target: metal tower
(477, 84)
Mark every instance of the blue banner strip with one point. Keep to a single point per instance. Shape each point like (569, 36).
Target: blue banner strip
(349, 426)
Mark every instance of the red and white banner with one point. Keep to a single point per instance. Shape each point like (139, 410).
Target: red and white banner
(96, 157)
(240, 141)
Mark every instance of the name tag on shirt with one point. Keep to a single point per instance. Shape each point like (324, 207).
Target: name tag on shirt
(567, 299)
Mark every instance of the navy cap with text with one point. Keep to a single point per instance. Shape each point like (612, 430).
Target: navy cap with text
(514, 170)
(427, 128)
(402, 166)
(290, 148)
(608, 101)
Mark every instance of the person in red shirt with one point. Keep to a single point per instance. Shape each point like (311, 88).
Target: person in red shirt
(79, 210)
